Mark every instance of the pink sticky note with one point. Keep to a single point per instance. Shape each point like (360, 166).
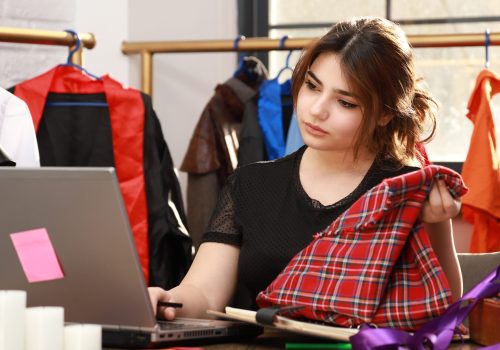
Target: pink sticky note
(37, 255)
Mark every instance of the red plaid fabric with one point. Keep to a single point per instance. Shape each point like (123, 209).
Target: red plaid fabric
(374, 264)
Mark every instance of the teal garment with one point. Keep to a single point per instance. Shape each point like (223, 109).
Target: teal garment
(294, 139)
(270, 116)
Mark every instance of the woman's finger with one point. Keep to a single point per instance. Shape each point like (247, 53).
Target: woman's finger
(450, 205)
(435, 201)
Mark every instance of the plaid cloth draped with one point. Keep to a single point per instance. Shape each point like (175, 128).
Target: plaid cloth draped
(374, 263)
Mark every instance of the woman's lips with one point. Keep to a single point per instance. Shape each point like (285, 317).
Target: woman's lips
(315, 130)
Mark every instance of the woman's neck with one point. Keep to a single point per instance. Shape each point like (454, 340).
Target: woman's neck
(328, 162)
(331, 176)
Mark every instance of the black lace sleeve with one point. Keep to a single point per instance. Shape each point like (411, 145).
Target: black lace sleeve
(223, 226)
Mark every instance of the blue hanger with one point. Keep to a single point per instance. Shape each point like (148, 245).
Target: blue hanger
(241, 61)
(287, 62)
(78, 44)
(486, 47)
(237, 40)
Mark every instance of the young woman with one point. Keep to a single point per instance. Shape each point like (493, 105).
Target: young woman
(361, 115)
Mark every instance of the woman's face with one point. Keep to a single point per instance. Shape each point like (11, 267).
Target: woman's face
(328, 112)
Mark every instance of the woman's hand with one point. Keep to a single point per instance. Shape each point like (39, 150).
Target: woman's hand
(440, 205)
(157, 294)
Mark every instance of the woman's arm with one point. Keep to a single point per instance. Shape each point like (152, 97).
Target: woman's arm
(441, 237)
(209, 283)
(439, 208)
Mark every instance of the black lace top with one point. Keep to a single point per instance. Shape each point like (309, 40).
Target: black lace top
(264, 210)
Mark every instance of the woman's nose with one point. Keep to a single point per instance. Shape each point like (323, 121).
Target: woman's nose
(319, 108)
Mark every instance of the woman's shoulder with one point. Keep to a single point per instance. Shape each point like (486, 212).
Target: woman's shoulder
(264, 177)
(270, 167)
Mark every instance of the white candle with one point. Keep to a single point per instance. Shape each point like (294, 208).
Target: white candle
(12, 318)
(82, 337)
(45, 328)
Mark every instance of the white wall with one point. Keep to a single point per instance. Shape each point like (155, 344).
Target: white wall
(19, 62)
(182, 83)
(108, 21)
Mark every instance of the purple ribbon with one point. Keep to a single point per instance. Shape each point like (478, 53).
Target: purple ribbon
(435, 334)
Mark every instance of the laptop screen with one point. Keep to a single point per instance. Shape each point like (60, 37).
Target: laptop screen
(82, 212)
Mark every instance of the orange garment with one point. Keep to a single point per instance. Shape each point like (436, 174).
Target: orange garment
(480, 172)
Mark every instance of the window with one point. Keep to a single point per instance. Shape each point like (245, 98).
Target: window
(449, 73)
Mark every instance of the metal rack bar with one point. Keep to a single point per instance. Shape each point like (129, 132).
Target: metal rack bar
(148, 48)
(48, 37)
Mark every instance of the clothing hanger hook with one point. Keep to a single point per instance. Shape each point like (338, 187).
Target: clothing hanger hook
(237, 41)
(241, 56)
(287, 61)
(282, 46)
(486, 47)
(76, 47)
(282, 42)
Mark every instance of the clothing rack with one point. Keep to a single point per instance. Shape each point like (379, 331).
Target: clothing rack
(49, 37)
(147, 48)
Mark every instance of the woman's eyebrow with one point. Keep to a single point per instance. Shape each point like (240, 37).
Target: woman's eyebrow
(339, 91)
(314, 77)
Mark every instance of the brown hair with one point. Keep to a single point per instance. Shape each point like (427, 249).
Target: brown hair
(377, 61)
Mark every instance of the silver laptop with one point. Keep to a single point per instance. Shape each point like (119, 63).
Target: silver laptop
(83, 213)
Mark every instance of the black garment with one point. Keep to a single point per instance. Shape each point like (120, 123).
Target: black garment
(170, 246)
(4, 159)
(82, 136)
(264, 210)
(252, 148)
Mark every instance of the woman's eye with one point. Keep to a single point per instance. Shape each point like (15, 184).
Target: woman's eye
(347, 104)
(310, 85)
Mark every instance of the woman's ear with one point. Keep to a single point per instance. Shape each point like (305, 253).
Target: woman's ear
(384, 120)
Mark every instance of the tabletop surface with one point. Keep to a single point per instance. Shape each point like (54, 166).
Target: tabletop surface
(276, 339)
